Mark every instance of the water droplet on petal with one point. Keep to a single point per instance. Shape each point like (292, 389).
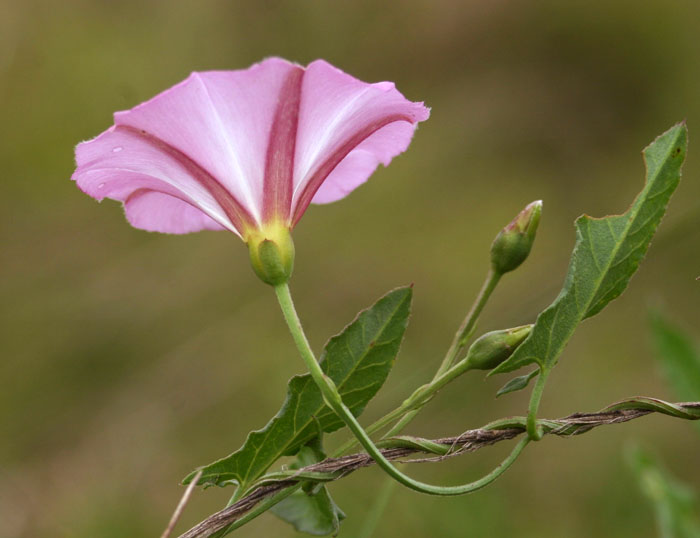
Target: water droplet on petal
(117, 149)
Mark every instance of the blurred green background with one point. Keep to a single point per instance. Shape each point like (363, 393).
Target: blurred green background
(129, 358)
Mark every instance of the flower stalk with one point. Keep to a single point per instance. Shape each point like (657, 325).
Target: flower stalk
(335, 402)
(510, 248)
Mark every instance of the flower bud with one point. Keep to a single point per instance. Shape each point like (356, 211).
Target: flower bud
(493, 348)
(513, 243)
(272, 254)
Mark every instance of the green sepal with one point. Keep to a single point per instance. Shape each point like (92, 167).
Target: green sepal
(492, 348)
(272, 254)
(512, 245)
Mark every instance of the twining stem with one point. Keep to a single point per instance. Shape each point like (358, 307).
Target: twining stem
(236, 495)
(261, 508)
(334, 401)
(444, 374)
(419, 397)
(466, 442)
(458, 342)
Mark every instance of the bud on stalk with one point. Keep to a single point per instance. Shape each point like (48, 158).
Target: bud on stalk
(513, 243)
(272, 254)
(493, 348)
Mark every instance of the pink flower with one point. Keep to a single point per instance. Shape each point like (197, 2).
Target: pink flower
(246, 150)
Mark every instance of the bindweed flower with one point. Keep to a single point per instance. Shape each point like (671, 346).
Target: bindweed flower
(247, 151)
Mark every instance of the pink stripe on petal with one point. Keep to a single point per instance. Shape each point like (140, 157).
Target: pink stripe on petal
(246, 148)
(279, 168)
(117, 163)
(338, 113)
(321, 173)
(222, 120)
(236, 213)
(361, 162)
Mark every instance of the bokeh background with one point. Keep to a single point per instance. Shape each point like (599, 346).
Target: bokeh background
(129, 358)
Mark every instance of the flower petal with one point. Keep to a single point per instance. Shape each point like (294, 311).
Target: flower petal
(158, 212)
(338, 113)
(246, 148)
(361, 162)
(222, 121)
(214, 126)
(119, 162)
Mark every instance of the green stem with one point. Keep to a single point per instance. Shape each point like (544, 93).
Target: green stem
(445, 373)
(236, 496)
(401, 424)
(419, 397)
(458, 342)
(534, 431)
(324, 383)
(334, 401)
(465, 330)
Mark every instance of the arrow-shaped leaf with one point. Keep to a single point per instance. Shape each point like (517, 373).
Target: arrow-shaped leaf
(358, 360)
(607, 253)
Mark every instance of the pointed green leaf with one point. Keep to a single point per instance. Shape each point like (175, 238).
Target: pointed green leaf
(315, 513)
(358, 360)
(517, 383)
(606, 255)
(679, 357)
(310, 511)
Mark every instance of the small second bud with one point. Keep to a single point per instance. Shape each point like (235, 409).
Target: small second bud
(491, 349)
(272, 254)
(513, 243)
